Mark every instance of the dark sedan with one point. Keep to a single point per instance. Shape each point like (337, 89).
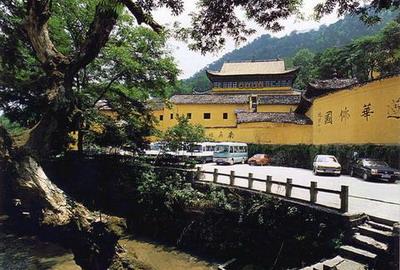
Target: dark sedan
(373, 169)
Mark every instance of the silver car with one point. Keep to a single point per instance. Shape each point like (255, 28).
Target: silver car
(326, 164)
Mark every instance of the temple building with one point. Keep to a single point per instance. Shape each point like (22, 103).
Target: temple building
(254, 102)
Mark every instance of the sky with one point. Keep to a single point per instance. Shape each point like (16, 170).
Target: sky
(189, 62)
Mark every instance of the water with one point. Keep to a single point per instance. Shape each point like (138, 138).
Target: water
(160, 257)
(30, 253)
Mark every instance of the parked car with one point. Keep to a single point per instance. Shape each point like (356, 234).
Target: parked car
(326, 164)
(259, 159)
(367, 169)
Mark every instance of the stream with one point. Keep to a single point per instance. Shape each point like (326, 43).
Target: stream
(20, 252)
(161, 257)
(29, 253)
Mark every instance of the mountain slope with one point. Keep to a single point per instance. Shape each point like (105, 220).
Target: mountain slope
(266, 47)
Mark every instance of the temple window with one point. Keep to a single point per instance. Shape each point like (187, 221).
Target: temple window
(207, 116)
(217, 84)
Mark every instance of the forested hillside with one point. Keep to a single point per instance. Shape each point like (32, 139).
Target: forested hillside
(338, 34)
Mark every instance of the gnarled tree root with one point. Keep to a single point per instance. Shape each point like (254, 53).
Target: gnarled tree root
(42, 206)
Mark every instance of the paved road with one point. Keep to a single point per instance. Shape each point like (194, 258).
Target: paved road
(376, 198)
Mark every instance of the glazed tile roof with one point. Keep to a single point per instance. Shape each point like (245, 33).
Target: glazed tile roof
(236, 99)
(321, 87)
(252, 68)
(274, 117)
(210, 99)
(103, 105)
(155, 104)
(332, 84)
(279, 99)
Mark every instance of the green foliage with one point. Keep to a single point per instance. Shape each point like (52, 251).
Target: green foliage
(304, 59)
(229, 220)
(215, 197)
(12, 127)
(165, 190)
(359, 59)
(363, 56)
(133, 66)
(184, 135)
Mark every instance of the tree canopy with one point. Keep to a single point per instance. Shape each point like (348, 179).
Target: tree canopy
(133, 66)
(184, 135)
(363, 58)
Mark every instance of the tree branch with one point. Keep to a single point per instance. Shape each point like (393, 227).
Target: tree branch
(36, 27)
(137, 104)
(96, 38)
(105, 89)
(100, 29)
(141, 16)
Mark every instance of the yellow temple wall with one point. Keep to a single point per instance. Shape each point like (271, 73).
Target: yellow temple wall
(365, 114)
(264, 133)
(197, 114)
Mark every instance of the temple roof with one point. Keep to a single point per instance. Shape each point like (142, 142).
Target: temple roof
(210, 99)
(274, 117)
(279, 99)
(252, 68)
(103, 105)
(321, 87)
(155, 104)
(235, 99)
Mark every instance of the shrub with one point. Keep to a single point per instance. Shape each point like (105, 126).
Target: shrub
(301, 156)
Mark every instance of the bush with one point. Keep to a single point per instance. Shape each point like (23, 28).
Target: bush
(301, 156)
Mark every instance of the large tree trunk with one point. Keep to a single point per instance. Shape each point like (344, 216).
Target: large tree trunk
(40, 205)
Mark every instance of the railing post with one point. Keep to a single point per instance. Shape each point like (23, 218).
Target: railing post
(288, 187)
(215, 176)
(232, 178)
(268, 184)
(344, 199)
(396, 245)
(250, 181)
(197, 175)
(313, 192)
